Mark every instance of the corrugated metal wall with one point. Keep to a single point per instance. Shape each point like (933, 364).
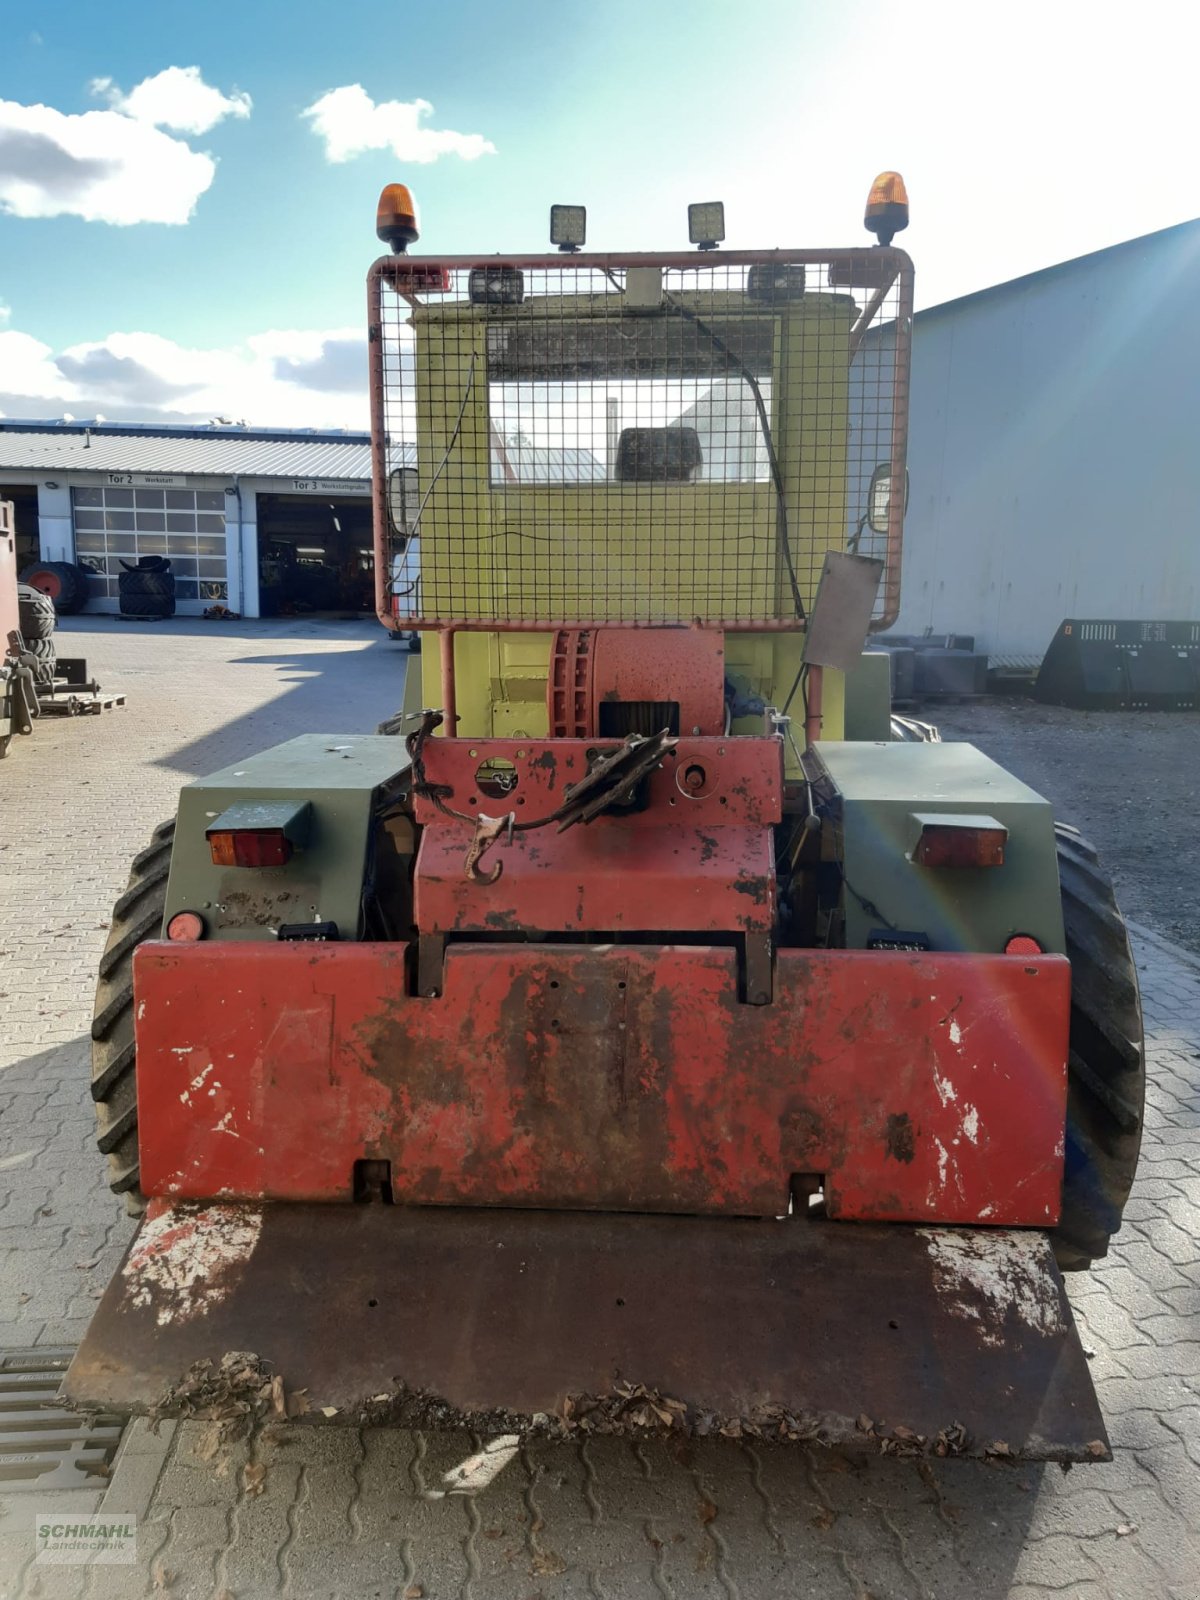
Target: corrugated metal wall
(1055, 450)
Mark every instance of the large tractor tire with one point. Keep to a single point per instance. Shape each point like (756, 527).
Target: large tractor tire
(146, 591)
(147, 606)
(35, 612)
(61, 581)
(42, 658)
(137, 915)
(1107, 1065)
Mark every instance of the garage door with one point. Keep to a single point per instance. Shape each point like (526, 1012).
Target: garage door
(186, 525)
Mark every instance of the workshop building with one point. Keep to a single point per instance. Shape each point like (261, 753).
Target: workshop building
(266, 521)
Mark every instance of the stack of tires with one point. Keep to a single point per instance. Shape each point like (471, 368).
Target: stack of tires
(37, 623)
(61, 582)
(146, 588)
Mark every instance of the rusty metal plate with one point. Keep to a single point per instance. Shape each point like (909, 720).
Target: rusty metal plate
(605, 879)
(951, 1339)
(923, 1086)
(742, 781)
(43, 1445)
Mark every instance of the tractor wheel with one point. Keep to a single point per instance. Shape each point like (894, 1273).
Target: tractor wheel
(62, 581)
(1106, 1077)
(35, 612)
(137, 915)
(146, 592)
(43, 659)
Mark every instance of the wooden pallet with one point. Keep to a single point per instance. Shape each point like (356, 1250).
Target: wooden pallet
(63, 699)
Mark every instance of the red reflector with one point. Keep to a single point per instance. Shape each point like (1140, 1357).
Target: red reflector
(185, 927)
(248, 847)
(1022, 944)
(414, 275)
(954, 846)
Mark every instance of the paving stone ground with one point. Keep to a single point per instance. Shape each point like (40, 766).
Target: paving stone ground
(351, 1513)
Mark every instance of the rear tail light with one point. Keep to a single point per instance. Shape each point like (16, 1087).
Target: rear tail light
(419, 276)
(960, 841)
(185, 927)
(250, 847)
(259, 833)
(1022, 944)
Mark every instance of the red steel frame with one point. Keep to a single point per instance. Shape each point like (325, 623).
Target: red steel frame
(882, 267)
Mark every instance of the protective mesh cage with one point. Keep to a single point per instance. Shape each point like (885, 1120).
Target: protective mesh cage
(641, 440)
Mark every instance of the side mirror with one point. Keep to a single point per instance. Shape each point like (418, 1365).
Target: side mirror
(879, 497)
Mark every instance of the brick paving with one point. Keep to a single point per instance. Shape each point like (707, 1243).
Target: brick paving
(356, 1513)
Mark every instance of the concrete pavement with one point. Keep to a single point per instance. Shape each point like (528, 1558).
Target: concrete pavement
(358, 1513)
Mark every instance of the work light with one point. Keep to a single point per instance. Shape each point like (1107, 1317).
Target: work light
(568, 227)
(706, 223)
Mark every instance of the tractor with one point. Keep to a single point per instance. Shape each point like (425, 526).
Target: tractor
(632, 1035)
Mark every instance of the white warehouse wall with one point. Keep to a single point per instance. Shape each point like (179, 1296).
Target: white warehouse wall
(1053, 453)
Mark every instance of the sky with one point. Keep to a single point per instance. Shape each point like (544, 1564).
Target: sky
(187, 190)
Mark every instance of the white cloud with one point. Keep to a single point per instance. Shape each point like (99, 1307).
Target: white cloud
(279, 378)
(350, 122)
(114, 166)
(178, 98)
(27, 366)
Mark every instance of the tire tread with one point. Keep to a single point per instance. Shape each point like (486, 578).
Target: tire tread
(1106, 1069)
(137, 915)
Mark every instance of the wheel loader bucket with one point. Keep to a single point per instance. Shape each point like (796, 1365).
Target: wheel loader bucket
(953, 1341)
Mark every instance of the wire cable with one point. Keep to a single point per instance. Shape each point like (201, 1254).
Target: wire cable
(781, 522)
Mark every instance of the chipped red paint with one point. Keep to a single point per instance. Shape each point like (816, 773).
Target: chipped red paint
(698, 858)
(743, 781)
(591, 667)
(620, 1078)
(603, 879)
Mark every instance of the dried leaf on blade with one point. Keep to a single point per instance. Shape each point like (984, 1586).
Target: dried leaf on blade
(237, 1386)
(951, 1441)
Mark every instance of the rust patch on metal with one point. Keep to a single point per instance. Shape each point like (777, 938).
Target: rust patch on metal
(537, 1079)
(899, 1136)
(684, 1326)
